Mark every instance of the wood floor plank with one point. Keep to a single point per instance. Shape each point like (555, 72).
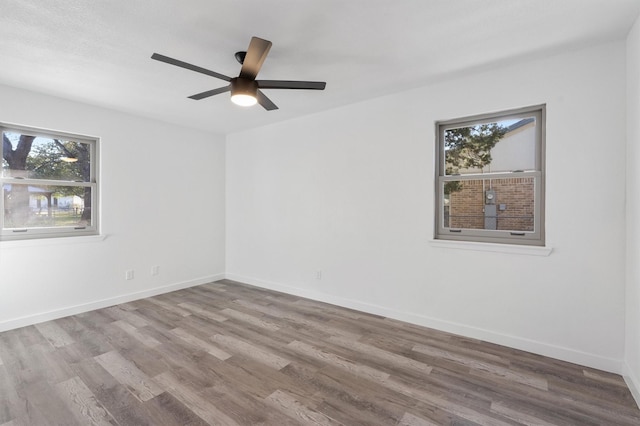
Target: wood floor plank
(301, 317)
(246, 349)
(129, 375)
(83, 403)
(94, 320)
(10, 399)
(128, 315)
(410, 420)
(141, 355)
(244, 331)
(115, 397)
(88, 342)
(45, 406)
(136, 334)
(245, 408)
(290, 406)
(13, 350)
(518, 416)
(603, 377)
(249, 319)
(189, 363)
(30, 336)
(202, 311)
(168, 306)
(166, 409)
(481, 368)
(334, 360)
(43, 364)
(201, 344)
(386, 356)
(54, 334)
(232, 354)
(465, 388)
(347, 399)
(200, 405)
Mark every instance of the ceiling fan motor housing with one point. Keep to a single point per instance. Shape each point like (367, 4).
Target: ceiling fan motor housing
(244, 92)
(243, 86)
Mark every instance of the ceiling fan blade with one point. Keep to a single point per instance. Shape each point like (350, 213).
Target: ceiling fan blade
(256, 54)
(178, 63)
(265, 102)
(209, 93)
(284, 84)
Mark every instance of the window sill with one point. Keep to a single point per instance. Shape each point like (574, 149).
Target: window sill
(492, 247)
(41, 242)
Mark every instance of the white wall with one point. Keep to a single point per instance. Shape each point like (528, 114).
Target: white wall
(162, 203)
(632, 352)
(349, 192)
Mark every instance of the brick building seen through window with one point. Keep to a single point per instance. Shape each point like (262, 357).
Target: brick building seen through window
(511, 202)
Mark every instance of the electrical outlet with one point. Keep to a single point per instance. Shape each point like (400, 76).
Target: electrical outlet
(155, 270)
(128, 274)
(318, 275)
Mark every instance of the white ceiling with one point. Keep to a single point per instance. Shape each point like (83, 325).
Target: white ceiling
(99, 51)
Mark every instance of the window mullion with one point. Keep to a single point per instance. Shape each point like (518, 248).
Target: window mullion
(44, 182)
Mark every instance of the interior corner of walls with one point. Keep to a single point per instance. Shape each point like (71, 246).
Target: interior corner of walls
(270, 285)
(632, 381)
(32, 319)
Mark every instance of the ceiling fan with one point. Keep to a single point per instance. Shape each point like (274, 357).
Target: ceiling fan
(245, 89)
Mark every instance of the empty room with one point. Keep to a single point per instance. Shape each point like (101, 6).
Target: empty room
(337, 213)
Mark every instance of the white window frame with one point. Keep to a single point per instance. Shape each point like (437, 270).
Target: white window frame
(30, 233)
(535, 237)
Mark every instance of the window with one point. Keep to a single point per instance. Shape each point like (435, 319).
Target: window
(49, 184)
(490, 178)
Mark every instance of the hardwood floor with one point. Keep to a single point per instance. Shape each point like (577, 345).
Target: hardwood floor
(230, 354)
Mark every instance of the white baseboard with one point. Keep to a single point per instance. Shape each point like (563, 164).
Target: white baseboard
(633, 383)
(540, 348)
(72, 310)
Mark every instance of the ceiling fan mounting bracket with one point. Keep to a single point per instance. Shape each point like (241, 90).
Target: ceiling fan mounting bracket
(240, 56)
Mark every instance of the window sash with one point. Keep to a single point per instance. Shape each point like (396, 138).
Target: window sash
(488, 235)
(536, 112)
(19, 233)
(23, 233)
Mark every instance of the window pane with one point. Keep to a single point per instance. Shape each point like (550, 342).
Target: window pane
(492, 204)
(500, 146)
(34, 157)
(31, 206)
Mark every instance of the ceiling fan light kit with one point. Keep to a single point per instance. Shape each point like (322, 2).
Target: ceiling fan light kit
(245, 89)
(244, 92)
